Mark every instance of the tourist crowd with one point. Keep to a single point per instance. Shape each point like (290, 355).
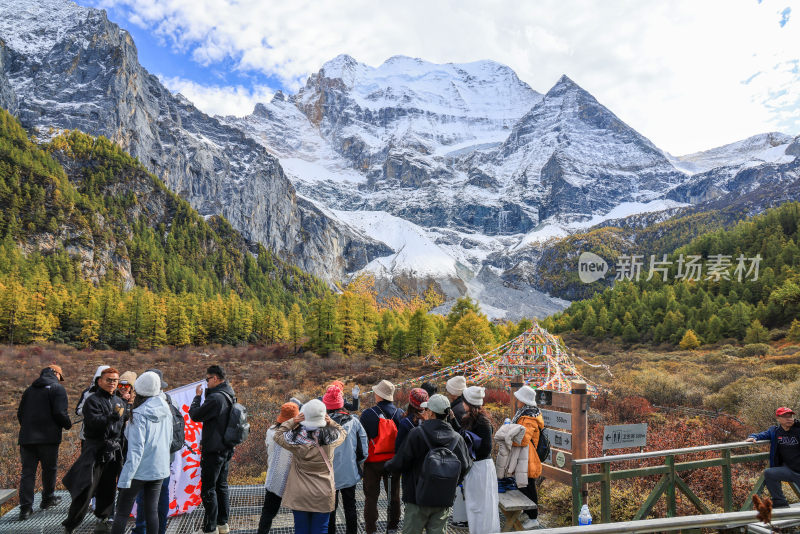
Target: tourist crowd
(432, 455)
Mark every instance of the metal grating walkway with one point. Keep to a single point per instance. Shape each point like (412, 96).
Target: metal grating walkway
(246, 502)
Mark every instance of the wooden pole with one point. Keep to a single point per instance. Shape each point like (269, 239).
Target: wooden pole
(514, 387)
(580, 431)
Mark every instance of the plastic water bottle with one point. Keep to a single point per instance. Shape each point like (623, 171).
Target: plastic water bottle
(585, 517)
(507, 421)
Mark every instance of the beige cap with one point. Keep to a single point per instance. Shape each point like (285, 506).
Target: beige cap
(384, 390)
(456, 385)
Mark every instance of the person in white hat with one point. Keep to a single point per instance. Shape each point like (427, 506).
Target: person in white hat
(85, 395)
(529, 416)
(480, 484)
(311, 436)
(455, 388)
(148, 459)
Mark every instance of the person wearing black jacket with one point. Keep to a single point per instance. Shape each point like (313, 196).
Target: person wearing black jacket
(455, 388)
(215, 456)
(95, 472)
(480, 485)
(42, 414)
(420, 515)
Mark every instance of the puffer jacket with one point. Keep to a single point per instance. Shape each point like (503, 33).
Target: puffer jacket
(42, 412)
(149, 435)
(512, 461)
(310, 485)
(345, 464)
(279, 460)
(532, 420)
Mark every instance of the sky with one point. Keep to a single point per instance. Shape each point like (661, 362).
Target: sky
(688, 74)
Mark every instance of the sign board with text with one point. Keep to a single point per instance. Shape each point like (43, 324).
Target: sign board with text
(553, 419)
(558, 439)
(624, 436)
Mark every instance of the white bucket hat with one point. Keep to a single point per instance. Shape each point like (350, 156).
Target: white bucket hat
(315, 411)
(384, 390)
(526, 395)
(474, 395)
(456, 385)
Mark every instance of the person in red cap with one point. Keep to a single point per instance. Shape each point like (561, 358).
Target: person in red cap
(784, 454)
(414, 415)
(349, 406)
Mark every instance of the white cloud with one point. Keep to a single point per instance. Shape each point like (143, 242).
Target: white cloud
(672, 70)
(216, 100)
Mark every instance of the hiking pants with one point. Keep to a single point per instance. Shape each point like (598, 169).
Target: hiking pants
(373, 475)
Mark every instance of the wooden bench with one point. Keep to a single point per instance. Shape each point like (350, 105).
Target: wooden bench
(512, 504)
(6, 494)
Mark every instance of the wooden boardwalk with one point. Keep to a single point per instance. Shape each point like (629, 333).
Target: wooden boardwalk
(246, 502)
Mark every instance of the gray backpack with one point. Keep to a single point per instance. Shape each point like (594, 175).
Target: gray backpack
(441, 471)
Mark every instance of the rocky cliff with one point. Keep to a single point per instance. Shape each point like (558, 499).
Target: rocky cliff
(69, 67)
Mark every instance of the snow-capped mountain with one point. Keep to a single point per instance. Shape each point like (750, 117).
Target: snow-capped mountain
(456, 175)
(68, 67)
(762, 148)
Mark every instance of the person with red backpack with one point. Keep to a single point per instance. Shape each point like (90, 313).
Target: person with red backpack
(381, 423)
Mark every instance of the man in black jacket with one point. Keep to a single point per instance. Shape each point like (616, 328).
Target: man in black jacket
(42, 414)
(420, 515)
(215, 455)
(95, 472)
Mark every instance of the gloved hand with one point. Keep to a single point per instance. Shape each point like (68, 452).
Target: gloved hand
(118, 410)
(355, 391)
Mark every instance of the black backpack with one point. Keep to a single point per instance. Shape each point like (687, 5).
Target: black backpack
(237, 429)
(438, 480)
(543, 447)
(178, 425)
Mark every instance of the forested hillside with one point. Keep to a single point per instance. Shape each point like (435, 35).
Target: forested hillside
(96, 250)
(731, 295)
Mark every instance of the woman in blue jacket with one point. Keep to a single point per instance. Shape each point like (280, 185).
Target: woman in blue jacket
(147, 462)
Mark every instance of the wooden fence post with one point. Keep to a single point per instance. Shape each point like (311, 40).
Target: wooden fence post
(580, 430)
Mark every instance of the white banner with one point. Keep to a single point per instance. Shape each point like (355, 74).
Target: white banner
(184, 483)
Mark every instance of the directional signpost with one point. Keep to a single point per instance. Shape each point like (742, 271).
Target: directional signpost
(624, 436)
(565, 420)
(561, 420)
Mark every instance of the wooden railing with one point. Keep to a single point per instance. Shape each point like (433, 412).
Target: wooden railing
(670, 481)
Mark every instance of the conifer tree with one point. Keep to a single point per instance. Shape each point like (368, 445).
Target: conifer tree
(295, 326)
(469, 337)
(420, 337)
(756, 333)
(689, 341)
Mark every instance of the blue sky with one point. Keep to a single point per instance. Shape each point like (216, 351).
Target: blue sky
(688, 75)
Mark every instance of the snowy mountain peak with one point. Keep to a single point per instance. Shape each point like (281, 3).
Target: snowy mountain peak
(770, 147)
(343, 67)
(33, 27)
(481, 89)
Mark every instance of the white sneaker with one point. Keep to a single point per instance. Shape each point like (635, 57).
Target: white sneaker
(223, 529)
(201, 531)
(530, 524)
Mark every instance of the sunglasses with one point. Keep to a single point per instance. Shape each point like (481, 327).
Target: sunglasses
(123, 386)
